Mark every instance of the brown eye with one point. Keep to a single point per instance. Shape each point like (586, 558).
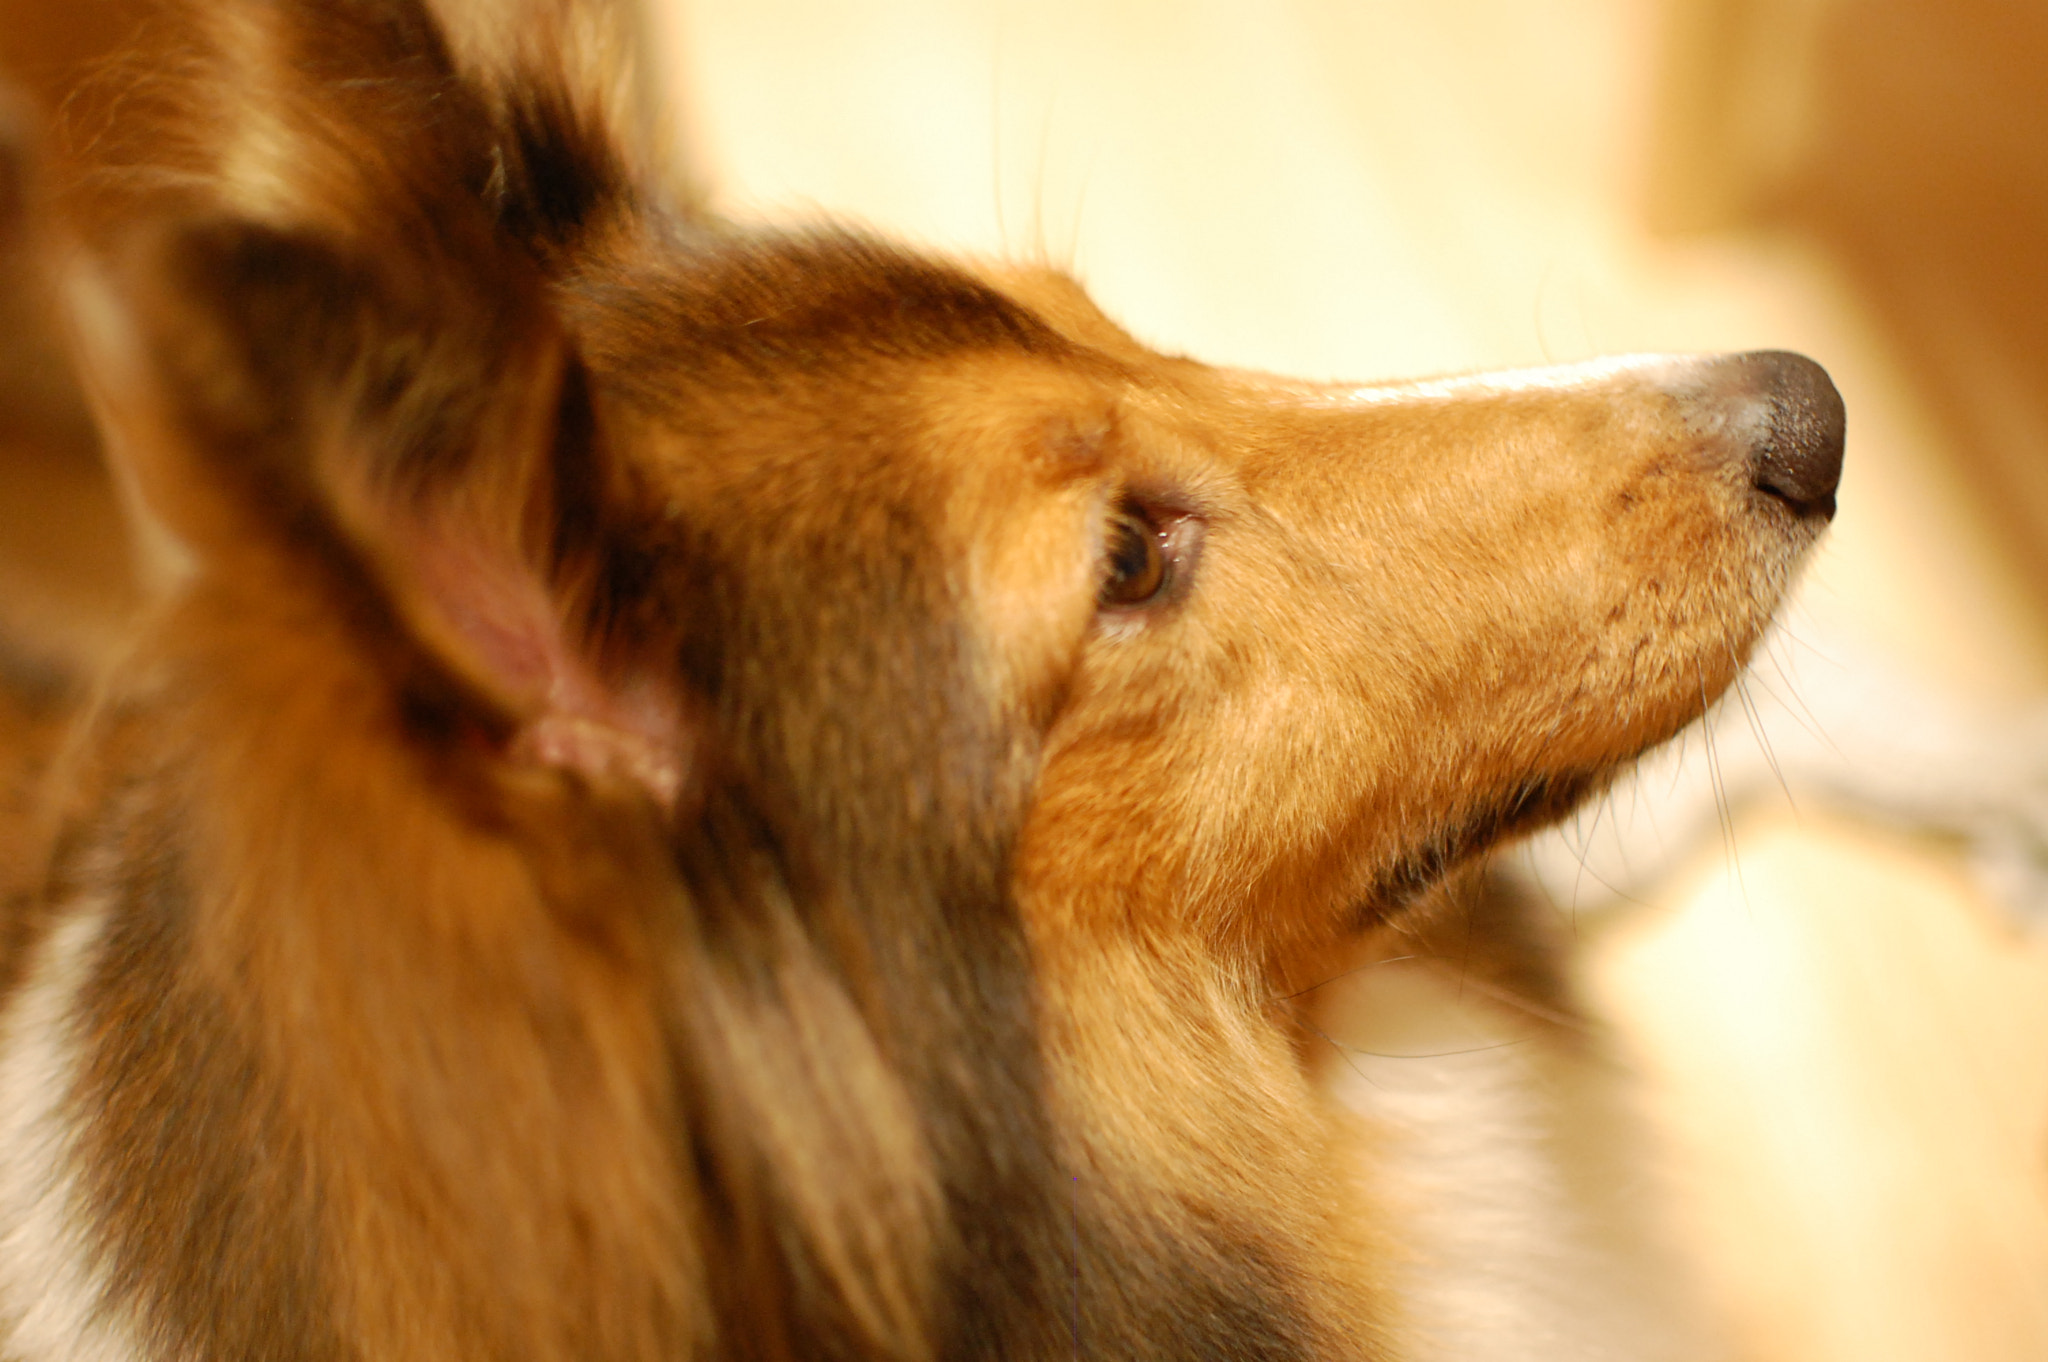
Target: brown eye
(1137, 559)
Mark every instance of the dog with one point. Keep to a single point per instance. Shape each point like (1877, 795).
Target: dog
(692, 791)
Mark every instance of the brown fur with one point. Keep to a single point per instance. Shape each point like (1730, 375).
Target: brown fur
(636, 835)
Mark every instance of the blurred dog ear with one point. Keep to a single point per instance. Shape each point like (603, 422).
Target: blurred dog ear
(578, 85)
(420, 452)
(14, 166)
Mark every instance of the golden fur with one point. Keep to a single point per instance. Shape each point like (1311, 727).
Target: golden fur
(644, 825)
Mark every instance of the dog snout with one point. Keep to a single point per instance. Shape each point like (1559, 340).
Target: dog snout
(1781, 414)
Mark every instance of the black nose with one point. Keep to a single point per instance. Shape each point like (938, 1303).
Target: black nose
(1796, 454)
(1799, 458)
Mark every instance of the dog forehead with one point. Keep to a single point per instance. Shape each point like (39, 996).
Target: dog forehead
(782, 305)
(841, 359)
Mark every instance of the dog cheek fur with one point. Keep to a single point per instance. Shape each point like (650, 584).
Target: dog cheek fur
(1437, 626)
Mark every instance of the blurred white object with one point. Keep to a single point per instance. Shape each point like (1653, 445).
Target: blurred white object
(1817, 723)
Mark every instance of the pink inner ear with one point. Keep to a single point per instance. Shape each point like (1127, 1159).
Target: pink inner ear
(503, 620)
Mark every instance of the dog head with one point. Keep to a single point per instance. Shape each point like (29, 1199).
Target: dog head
(817, 724)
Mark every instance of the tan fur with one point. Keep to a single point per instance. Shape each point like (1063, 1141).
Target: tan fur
(646, 831)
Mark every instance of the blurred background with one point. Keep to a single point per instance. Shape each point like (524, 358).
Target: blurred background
(1843, 1036)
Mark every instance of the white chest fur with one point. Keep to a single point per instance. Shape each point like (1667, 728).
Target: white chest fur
(52, 1294)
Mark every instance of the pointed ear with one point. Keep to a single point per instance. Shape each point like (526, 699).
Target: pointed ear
(574, 85)
(417, 447)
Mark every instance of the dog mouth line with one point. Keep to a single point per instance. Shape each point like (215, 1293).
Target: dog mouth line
(1533, 803)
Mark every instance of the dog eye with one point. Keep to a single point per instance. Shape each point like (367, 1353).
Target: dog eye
(1138, 567)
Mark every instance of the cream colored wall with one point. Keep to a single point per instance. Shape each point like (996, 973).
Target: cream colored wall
(1849, 1046)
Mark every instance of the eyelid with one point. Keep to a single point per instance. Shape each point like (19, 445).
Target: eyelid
(1181, 533)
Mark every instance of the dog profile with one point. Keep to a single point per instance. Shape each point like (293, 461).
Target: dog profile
(709, 792)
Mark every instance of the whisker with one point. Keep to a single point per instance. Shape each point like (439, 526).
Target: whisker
(1071, 257)
(1757, 730)
(1723, 810)
(1346, 974)
(1584, 851)
(1344, 1052)
(1038, 195)
(1812, 721)
(1431, 1054)
(1791, 702)
(1509, 998)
